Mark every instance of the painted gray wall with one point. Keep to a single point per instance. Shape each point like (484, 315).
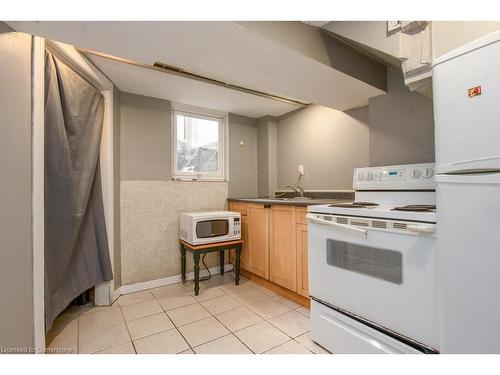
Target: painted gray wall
(267, 158)
(242, 159)
(401, 125)
(395, 128)
(262, 158)
(16, 265)
(329, 143)
(145, 138)
(145, 143)
(151, 202)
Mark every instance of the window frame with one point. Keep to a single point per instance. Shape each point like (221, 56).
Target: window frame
(206, 114)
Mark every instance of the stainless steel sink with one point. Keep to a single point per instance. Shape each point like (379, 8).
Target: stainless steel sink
(294, 199)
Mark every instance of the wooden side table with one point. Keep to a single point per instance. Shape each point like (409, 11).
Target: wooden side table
(197, 250)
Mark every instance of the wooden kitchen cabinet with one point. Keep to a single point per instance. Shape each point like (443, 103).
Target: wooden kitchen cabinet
(275, 244)
(244, 237)
(300, 215)
(258, 239)
(282, 247)
(302, 263)
(240, 207)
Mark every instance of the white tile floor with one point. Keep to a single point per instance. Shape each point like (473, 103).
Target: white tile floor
(223, 319)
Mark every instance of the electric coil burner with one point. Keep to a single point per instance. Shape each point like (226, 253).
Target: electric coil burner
(417, 208)
(355, 205)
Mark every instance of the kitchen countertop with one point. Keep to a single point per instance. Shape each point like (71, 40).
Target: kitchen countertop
(290, 201)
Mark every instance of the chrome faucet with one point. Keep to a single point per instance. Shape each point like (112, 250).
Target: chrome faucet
(297, 189)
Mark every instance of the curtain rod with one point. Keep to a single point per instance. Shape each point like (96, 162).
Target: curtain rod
(56, 50)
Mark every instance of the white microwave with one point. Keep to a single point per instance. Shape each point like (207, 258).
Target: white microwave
(207, 227)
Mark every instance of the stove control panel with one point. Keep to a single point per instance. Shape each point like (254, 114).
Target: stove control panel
(395, 177)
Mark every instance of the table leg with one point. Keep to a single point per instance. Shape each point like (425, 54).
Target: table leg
(196, 257)
(221, 258)
(183, 263)
(238, 254)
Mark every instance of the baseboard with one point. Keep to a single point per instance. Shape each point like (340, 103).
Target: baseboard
(126, 289)
(304, 301)
(117, 293)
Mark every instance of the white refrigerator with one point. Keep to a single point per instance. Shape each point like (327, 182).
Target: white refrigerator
(466, 91)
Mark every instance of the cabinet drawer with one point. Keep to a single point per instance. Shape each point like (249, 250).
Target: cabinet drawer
(300, 214)
(343, 335)
(240, 207)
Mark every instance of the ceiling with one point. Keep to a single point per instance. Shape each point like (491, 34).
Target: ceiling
(225, 51)
(157, 84)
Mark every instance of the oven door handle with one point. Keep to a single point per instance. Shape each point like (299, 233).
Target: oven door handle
(313, 219)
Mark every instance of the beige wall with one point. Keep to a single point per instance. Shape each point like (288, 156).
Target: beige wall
(242, 159)
(449, 35)
(329, 143)
(401, 125)
(16, 265)
(150, 225)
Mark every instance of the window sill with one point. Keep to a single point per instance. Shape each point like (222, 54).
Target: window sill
(187, 179)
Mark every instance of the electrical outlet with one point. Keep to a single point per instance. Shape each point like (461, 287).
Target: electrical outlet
(301, 169)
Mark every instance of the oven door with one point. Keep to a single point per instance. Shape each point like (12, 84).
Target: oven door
(213, 230)
(387, 277)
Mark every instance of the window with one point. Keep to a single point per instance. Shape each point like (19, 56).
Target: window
(199, 139)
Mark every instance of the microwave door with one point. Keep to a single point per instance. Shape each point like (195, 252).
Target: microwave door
(212, 228)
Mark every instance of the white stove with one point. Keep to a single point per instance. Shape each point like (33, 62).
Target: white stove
(384, 189)
(372, 264)
(385, 210)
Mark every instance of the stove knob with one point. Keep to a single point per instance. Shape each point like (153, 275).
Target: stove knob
(428, 173)
(361, 176)
(369, 176)
(415, 173)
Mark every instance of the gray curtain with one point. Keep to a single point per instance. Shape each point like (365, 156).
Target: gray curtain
(76, 246)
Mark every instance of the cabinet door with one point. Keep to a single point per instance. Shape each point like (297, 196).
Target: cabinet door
(302, 273)
(282, 250)
(258, 240)
(240, 207)
(244, 237)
